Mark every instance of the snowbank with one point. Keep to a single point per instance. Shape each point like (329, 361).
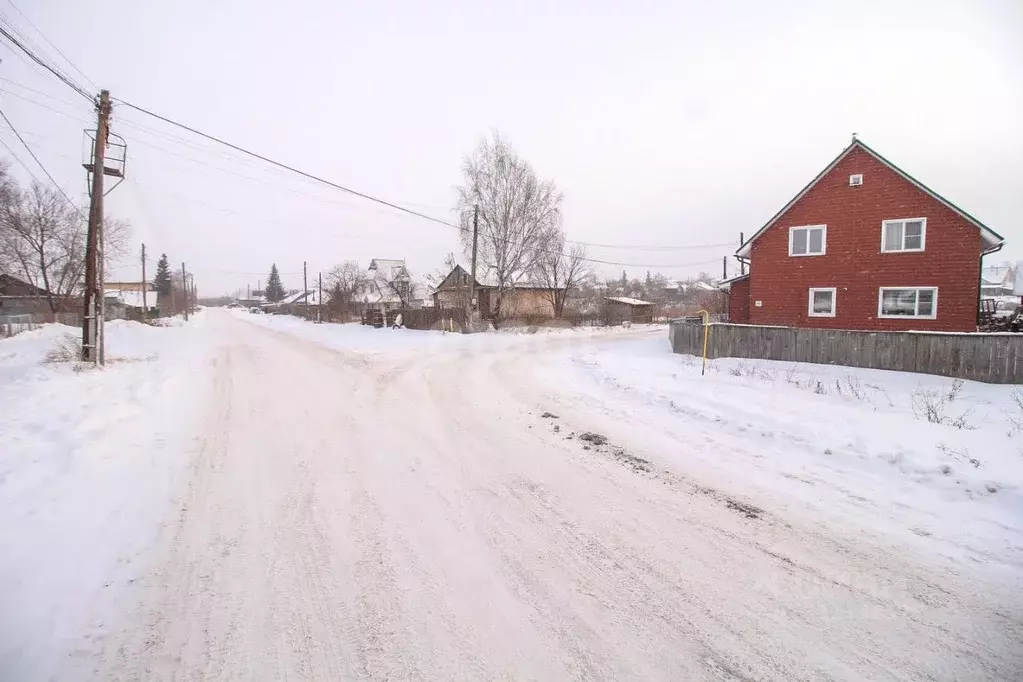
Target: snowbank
(89, 463)
(853, 445)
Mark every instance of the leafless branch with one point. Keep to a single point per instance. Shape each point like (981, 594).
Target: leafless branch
(519, 214)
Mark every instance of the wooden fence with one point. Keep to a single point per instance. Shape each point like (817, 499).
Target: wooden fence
(15, 324)
(434, 318)
(994, 358)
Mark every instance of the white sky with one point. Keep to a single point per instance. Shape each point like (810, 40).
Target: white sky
(665, 123)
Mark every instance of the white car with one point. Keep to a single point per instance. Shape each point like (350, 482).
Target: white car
(255, 309)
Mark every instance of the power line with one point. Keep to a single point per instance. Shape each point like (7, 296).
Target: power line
(33, 154)
(38, 92)
(81, 91)
(362, 195)
(18, 159)
(238, 272)
(41, 62)
(278, 188)
(40, 104)
(287, 167)
(652, 247)
(50, 43)
(269, 185)
(198, 147)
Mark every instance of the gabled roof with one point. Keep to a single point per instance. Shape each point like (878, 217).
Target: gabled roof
(9, 283)
(992, 238)
(451, 281)
(389, 268)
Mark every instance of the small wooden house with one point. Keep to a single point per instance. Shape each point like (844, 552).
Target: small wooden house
(621, 309)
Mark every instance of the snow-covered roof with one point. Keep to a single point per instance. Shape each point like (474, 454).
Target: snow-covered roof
(996, 274)
(131, 299)
(704, 286)
(387, 268)
(298, 299)
(626, 300)
(726, 284)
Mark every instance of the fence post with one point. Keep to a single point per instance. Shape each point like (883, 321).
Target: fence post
(706, 333)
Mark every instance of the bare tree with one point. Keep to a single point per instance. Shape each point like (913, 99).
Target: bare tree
(435, 278)
(344, 283)
(559, 273)
(42, 241)
(402, 288)
(519, 214)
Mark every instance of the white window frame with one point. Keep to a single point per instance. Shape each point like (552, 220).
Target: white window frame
(934, 306)
(824, 239)
(923, 234)
(834, 301)
(856, 180)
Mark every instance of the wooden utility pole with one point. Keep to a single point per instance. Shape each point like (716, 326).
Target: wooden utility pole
(724, 267)
(472, 275)
(145, 285)
(305, 288)
(319, 299)
(92, 299)
(184, 288)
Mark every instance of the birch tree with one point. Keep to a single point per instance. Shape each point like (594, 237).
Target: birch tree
(519, 214)
(560, 272)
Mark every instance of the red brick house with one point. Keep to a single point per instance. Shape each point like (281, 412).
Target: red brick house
(864, 246)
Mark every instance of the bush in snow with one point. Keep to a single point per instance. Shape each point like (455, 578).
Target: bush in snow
(67, 349)
(1015, 413)
(933, 405)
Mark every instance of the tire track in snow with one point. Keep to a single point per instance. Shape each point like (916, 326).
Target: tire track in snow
(367, 516)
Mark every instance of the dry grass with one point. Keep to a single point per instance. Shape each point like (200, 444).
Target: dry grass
(934, 405)
(67, 349)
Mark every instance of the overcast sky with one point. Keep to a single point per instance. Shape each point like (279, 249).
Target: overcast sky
(664, 123)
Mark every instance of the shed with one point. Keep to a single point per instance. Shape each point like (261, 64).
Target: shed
(624, 309)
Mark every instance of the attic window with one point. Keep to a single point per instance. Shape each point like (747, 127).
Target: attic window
(856, 180)
(810, 240)
(465, 278)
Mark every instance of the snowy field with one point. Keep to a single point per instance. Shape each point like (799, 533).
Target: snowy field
(259, 497)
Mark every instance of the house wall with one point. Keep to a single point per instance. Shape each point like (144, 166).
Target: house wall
(23, 305)
(853, 262)
(455, 297)
(617, 312)
(525, 302)
(643, 314)
(738, 301)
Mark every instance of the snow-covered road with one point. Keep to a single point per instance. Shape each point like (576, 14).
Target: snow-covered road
(409, 514)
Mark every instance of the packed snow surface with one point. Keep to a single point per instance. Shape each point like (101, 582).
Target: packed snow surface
(259, 497)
